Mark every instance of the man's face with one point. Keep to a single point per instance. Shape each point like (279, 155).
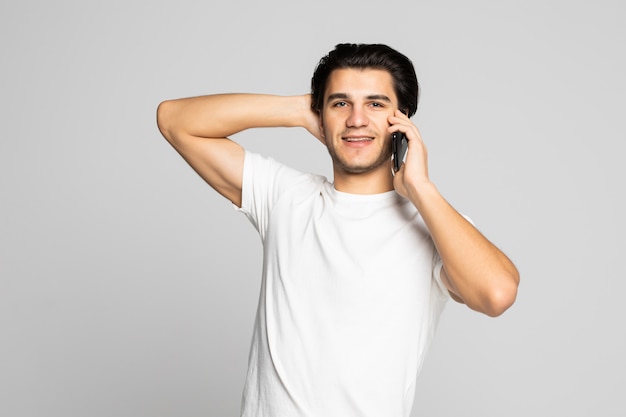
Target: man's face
(357, 104)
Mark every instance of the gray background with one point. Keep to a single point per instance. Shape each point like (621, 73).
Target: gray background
(128, 287)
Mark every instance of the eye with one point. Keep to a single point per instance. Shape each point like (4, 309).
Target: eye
(340, 104)
(377, 104)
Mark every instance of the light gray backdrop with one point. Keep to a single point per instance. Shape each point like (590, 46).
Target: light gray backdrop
(128, 287)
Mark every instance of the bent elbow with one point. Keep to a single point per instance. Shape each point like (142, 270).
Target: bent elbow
(503, 296)
(164, 119)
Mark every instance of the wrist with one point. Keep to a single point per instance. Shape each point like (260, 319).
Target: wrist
(421, 192)
(291, 109)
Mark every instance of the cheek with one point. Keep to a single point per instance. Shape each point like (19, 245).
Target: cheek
(328, 129)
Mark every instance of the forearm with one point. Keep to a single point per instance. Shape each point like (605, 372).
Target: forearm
(219, 116)
(475, 269)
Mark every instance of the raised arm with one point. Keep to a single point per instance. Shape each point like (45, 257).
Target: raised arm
(474, 270)
(198, 128)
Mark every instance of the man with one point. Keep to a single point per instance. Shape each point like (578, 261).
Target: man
(356, 272)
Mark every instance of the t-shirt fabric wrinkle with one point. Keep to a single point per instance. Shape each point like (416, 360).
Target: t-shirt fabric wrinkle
(350, 297)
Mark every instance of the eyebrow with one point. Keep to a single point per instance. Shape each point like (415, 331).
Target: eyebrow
(343, 96)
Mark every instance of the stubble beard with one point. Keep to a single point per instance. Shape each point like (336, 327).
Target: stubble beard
(350, 167)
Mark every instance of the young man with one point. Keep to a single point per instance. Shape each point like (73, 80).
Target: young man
(356, 272)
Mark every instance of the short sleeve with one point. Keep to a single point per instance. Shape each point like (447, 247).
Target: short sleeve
(437, 266)
(264, 182)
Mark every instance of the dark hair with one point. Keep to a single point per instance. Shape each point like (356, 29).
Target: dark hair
(362, 56)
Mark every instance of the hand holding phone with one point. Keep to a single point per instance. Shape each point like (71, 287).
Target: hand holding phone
(399, 146)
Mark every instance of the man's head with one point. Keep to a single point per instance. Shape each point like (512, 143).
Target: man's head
(368, 56)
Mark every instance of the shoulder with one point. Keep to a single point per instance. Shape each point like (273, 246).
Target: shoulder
(267, 181)
(263, 169)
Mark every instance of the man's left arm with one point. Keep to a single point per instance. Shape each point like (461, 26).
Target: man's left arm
(474, 270)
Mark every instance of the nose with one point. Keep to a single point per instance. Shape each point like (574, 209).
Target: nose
(357, 117)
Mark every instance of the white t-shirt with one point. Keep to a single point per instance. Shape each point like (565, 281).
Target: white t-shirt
(350, 297)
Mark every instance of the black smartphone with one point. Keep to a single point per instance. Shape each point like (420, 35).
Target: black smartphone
(399, 145)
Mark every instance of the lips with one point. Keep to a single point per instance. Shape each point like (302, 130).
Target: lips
(357, 139)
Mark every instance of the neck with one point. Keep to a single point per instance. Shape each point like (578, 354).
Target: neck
(377, 181)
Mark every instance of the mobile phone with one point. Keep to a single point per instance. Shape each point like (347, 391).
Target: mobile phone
(399, 146)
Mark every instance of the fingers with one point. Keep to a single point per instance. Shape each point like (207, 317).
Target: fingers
(415, 167)
(400, 122)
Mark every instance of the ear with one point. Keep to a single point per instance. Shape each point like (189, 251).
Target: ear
(321, 124)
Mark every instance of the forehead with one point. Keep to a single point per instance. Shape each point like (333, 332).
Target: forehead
(356, 83)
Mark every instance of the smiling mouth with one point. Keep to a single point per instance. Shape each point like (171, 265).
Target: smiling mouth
(359, 139)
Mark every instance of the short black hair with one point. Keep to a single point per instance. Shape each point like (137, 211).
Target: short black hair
(364, 56)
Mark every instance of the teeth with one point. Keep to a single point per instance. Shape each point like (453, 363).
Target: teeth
(357, 139)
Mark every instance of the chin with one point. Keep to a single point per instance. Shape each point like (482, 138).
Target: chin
(360, 168)
(353, 166)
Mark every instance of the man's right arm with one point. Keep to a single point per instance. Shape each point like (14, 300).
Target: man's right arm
(198, 128)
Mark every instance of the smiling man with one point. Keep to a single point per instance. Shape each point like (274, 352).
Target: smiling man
(356, 271)
(355, 113)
